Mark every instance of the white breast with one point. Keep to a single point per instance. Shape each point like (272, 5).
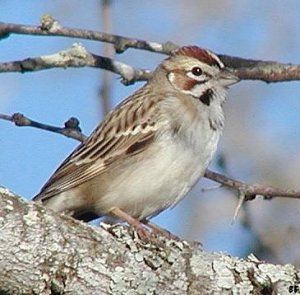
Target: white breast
(172, 165)
(161, 179)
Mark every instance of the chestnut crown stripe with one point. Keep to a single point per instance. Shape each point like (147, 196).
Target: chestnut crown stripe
(203, 55)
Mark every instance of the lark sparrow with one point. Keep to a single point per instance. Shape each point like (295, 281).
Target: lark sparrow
(152, 148)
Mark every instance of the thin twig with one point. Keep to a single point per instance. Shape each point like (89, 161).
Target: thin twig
(239, 205)
(246, 69)
(76, 56)
(251, 191)
(51, 27)
(71, 128)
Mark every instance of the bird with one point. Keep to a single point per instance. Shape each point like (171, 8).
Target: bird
(151, 149)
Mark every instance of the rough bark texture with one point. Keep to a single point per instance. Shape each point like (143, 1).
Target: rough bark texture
(45, 253)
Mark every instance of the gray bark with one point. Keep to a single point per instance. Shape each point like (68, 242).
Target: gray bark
(42, 252)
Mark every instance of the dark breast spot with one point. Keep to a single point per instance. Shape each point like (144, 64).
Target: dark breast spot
(206, 97)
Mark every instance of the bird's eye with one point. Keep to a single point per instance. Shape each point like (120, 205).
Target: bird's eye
(197, 71)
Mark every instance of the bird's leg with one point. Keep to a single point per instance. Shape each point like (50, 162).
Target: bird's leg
(159, 230)
(141, 230)
(126, 217)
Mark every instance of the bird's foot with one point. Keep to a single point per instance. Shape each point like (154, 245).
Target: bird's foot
(160, 231)
(142, 228)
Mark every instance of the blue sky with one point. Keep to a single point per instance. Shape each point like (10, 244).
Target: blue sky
(262, 130)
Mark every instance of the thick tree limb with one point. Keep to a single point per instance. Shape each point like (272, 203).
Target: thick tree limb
(42, 252)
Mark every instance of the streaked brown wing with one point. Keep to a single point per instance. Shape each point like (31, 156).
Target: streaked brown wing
(124, 133)
(71, 174)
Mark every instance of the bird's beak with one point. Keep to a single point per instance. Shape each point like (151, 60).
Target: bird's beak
(227, 78)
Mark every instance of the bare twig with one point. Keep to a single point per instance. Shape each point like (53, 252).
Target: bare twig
(246, 69)
(251, 191)
(267, 71)
(71, 128)
(239, 205)
(76, 56)
(50, 27)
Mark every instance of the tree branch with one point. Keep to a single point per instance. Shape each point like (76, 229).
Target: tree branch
(76, 56)
(51, 27)
(248, 191)
(267, 71)
(42, 252)
(71, 128)
(251, 191)
(246, 69)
